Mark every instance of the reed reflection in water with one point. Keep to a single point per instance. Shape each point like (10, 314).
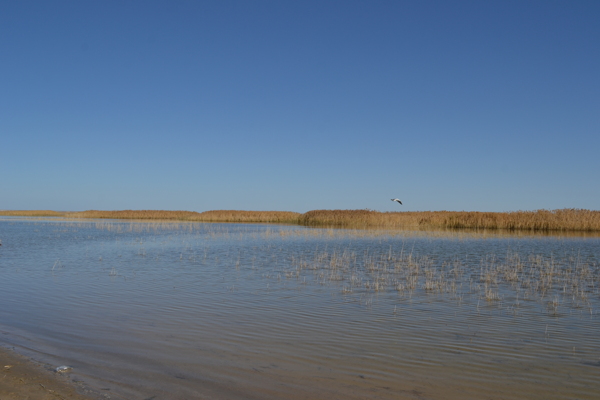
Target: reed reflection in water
(260, 311)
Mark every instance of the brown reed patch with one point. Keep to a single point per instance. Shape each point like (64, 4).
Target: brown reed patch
(134, 214)
(207, 216)
(539, 220)
(31, 213)
(249, 216)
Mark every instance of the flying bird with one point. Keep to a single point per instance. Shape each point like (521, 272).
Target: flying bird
(398, 200)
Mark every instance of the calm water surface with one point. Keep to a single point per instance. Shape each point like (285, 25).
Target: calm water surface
(225, 311)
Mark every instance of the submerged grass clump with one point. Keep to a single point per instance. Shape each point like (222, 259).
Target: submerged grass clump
(506, 281)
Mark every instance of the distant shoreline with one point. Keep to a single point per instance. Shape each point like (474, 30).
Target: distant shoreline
(538, 220)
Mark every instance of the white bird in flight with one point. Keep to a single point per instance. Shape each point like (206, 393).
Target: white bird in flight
(398, 200)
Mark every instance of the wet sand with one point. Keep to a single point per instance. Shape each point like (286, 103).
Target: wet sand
(22, 378)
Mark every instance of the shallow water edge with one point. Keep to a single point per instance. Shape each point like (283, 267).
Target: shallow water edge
(198, 310)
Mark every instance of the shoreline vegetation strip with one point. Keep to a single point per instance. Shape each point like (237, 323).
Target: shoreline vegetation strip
(538, 220)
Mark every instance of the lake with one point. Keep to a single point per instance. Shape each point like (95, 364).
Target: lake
(159, 310)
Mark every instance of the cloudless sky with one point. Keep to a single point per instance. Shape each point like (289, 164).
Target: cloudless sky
(299, 105)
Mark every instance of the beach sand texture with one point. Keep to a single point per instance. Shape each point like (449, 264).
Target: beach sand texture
(22, 378)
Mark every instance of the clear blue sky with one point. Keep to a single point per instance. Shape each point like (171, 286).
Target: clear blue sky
(281, 105)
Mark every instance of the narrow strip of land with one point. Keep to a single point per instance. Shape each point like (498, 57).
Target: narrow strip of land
(539, 220)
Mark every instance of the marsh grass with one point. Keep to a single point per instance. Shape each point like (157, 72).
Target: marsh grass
(207, 216)
(538, 221)
(31, 213)
(505, 281)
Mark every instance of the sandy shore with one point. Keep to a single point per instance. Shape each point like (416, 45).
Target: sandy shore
(24, 379)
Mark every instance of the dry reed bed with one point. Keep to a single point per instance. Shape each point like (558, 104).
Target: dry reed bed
(539, 220)
(31, 213)
(207, 216)
(249, 216)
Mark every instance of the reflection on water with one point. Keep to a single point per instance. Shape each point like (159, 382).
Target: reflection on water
(194, 310)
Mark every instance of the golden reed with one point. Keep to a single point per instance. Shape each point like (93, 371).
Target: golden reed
(207, 216)
(539, 220)
(31, 213)
(565, 219)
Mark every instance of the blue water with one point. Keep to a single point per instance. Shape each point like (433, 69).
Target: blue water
(228, 311)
